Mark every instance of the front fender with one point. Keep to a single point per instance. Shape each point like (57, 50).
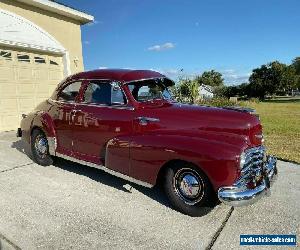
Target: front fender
(216, 158)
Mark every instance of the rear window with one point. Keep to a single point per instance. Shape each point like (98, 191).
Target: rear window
(70, 92)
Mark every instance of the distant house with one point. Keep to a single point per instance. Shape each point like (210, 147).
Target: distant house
(206, 92)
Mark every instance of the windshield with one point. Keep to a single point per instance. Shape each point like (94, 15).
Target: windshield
(148, 90)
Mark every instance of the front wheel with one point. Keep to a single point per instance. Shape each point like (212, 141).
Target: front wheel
(40, 148)
(188, 189)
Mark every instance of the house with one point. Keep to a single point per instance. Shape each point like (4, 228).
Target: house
(40, 44)
(205, 92)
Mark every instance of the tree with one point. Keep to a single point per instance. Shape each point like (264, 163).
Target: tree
(187, 89)
(194, 89)
(243, 89)
(211, 78)
(296, 66)
(270, 79)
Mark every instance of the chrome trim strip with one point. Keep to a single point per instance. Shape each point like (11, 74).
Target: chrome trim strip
(111, 79)
(93, 105)
(105, 106)
(150, 119)
(62, 102)
(145, 120)
(105, 169)
(150, 78)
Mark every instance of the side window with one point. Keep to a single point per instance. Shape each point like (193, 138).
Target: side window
(117, 95)
(70, 92)
(104, 93)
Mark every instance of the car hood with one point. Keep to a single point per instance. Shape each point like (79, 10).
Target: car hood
(234, 125)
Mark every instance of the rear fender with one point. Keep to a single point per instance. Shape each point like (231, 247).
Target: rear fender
(43, 121)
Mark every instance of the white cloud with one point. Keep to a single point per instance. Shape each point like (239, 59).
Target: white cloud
(102, 67)
(86, 42)
(171, 73)
(232, 76)
(162, 47)
(228, 71)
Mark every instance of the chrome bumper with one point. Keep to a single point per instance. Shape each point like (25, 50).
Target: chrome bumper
(240, 195)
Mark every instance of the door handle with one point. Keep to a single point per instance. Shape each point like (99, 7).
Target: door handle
(143, 121)
(73, 112)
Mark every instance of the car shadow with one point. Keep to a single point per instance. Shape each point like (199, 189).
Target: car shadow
(101, 176)
(110, 180)
(22, 147)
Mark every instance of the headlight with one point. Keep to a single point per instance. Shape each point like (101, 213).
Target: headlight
(242, 160)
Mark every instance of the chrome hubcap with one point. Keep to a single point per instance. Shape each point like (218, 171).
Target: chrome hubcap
(41, 146)
(188, 185)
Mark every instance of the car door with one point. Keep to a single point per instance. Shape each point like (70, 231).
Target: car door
(63, 118)
(103, 125)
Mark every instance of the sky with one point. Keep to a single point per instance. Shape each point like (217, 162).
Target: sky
(187, 37)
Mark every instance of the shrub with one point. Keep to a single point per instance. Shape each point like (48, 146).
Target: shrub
(255, 100)
(217, 102)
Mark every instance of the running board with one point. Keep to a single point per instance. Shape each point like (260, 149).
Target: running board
(105, 169)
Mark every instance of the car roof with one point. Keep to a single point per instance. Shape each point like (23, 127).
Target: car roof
(121, 75)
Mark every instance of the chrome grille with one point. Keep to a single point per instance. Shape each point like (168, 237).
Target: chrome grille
(253, 166)
(254, 158)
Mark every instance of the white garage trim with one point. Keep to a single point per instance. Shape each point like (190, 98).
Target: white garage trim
(19, 32)
(60, 9)
(67, 64)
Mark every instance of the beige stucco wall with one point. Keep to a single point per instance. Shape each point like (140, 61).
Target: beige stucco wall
(63, 29)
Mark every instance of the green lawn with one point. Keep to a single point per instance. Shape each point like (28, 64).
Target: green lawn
(281, 126)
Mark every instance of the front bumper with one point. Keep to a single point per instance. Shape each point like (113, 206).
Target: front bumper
(240, 195)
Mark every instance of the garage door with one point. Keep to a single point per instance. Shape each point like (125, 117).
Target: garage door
(26, 79)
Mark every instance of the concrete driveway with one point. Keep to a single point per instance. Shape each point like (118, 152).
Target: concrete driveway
(72, 206)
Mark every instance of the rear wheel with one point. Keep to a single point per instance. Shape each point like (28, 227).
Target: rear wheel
(188, 189)
(40, 148)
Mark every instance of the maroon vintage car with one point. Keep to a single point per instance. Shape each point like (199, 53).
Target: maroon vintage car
(125, 122)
